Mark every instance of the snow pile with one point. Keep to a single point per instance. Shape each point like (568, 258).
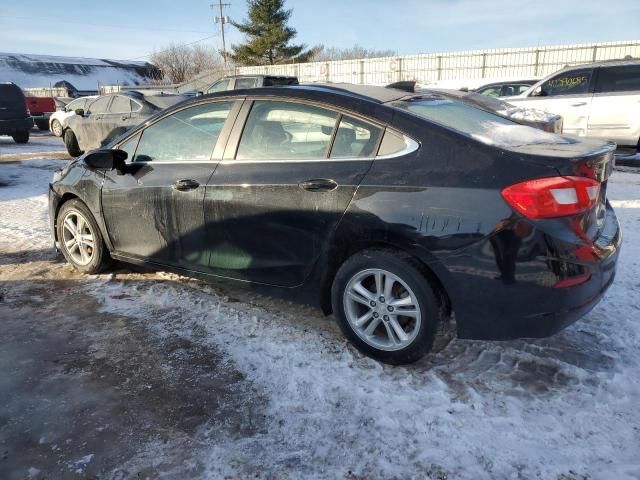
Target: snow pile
(29, 71)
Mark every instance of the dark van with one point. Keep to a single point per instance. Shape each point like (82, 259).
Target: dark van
(15, 120)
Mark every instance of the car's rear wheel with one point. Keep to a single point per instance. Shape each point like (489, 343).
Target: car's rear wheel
(56, 128)
(386, 306)
(21, 137)
(71, 142)
(80, 239)
(42, 124)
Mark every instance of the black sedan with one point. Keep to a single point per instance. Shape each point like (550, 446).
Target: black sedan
(109, 116)
(392, 209)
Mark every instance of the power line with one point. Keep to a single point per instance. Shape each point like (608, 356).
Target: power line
(124, 27)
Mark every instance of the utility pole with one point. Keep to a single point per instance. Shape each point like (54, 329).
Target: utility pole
(221, 19)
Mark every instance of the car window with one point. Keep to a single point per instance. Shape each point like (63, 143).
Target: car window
(521, 88)
(99, 105)
(619, 79)
(76, 104)
(120, 104)
(244, 83)
(187, 135)
(286, 130)
(130, 146)
(491, 91)
(574, 82)
(219, 86)
(135, 106)
(355, 139)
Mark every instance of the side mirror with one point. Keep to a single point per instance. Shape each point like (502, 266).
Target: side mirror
(106, 159)
(79, 111)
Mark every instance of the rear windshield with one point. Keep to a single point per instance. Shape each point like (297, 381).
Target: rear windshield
(475, 122)
(164, 101)
(10, 92)
(279, 81)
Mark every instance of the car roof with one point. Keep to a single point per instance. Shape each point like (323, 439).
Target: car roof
(529, 81)
(604, 63)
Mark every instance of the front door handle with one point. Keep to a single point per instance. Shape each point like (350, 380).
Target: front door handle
(185, 185)
(124, 117)
(319, 185)
(579, 104)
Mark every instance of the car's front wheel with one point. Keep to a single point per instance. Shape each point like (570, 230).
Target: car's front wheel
(80, 239)
(56, 128)
(385, 305)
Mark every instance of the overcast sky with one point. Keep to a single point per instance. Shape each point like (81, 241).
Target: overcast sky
(133, 29)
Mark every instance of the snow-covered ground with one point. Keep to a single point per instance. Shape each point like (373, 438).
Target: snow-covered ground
(565, 407)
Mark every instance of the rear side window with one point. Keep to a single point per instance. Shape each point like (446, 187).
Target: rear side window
(286, 130)
(619, 79)
(574, 82)
(120, 104)
(279, 81)
(99, 105)
(495, 91)
(219, 86)
(187, 135)
(355, 139)
(244, 83)
(135, 106)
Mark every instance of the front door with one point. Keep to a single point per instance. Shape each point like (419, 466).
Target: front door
(155, 211)
(273, 203)
(89, 128)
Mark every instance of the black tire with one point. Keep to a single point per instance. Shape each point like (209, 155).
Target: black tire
(56, 126)
(21, 137)
(71, 142)
(42, 124)
(411, 272)
(100, 258)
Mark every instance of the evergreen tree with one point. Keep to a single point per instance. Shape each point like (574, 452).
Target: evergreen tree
(268, 36)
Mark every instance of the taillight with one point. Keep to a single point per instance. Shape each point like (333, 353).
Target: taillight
(553, 196)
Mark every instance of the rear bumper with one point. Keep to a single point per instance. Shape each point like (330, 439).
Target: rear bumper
(9, 127)
(551, 282)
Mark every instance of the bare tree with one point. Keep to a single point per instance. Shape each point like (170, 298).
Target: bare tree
(182, 62)
(327, 54)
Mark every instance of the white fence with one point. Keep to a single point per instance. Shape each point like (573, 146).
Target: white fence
(474, 66)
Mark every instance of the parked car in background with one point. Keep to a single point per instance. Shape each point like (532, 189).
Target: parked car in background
(391, 209)
(15, 119)
(111, 115)
(599, 100)
(505, 89)
(41, 109)
(236, 82)
(58, 120)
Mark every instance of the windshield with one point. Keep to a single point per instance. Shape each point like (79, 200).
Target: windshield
(475, 122)
(164, 101)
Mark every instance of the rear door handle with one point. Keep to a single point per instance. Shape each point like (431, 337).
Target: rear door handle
(124, 117)
(579, 104)
(319, 185)
(185, 185)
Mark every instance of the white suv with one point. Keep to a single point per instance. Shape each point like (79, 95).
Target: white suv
(596, 100)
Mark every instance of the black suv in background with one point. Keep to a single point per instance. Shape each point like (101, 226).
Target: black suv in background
(15, 120)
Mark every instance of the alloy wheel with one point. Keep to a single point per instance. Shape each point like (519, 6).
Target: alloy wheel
(382, 309)
(77, 238)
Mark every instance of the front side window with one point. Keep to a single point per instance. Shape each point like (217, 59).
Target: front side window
(491, 91)
(286, 130)
(120, 104)
(219, 86)
(187, 135)
(76, 104)
(355, 139)
(130, 146)
(99, 105)
(574, 82)
(619, 79)
(244, 83)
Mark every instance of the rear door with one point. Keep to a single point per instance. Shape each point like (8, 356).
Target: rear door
(89, 128)
(615, 111)
(568, 94)
(288, 175)
(154, 212)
